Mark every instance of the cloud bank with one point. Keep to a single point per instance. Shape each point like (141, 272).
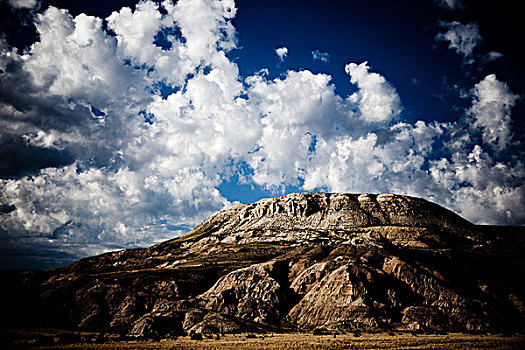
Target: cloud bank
(123, 139)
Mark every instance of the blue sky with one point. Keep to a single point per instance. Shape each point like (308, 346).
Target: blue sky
(125, 123)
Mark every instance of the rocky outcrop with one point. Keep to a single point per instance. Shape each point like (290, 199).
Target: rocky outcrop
(251, 293)
(417, 318)
(342, 296)
(206, 322)
(356, 262)
(323, 217)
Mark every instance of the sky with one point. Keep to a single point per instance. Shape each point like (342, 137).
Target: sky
(125, 123)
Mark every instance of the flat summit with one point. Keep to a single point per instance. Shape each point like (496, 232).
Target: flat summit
(307, 261)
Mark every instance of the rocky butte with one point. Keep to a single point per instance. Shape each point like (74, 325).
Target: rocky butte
(325, 261)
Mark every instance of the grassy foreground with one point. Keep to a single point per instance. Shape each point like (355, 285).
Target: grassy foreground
(309, 341)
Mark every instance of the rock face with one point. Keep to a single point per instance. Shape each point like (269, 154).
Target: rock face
(303, 261)
(332, 218)
(251, 293)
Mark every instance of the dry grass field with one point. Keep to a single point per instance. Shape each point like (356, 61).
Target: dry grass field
(309, 341)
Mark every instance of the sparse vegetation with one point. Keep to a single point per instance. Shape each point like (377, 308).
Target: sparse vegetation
(302, 341)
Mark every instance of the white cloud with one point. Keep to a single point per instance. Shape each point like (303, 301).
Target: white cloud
(295, 111)
(206, 26)
(450, 4)
(75, 58)
(136, 31)
(490, 112)
(23, 4)
(342, 153)
(476, 179)
(281, 52)
(320, 56)
(367, 164)
(461, 37)
(376, 98)
(479, 187)
(492, 56)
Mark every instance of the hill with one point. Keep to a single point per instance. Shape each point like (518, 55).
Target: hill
(308, 261)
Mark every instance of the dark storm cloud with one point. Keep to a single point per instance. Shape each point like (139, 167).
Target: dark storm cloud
(26, 112)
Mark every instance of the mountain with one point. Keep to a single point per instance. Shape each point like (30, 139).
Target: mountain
(299, 262)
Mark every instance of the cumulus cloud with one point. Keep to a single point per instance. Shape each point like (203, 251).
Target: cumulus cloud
(295, 111)
(376, 99)
(281, 52)
(480, 187)
(461, 37)
(477, 178)
(320, 56)
(474, 179)
(86, 100)
(490, 112)
(120, 140)
(337, 146)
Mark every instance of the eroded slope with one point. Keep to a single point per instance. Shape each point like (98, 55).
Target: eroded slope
(309, 260)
